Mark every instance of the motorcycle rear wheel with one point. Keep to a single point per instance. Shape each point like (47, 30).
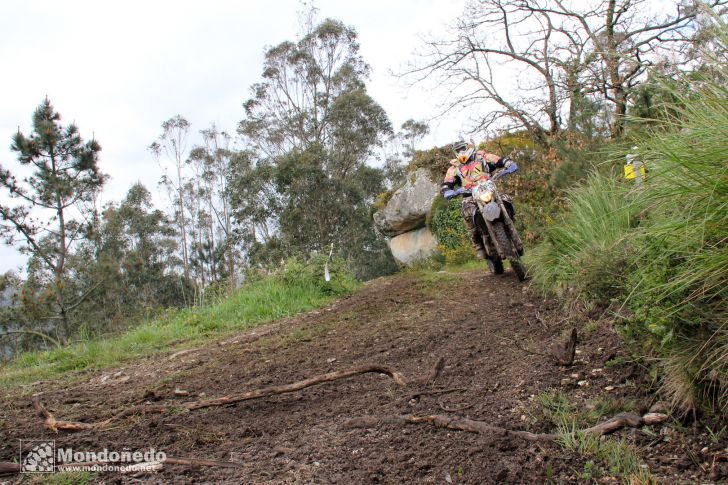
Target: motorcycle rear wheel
(518, 268)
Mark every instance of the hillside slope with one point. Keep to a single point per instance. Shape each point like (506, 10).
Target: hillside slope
(407, 321)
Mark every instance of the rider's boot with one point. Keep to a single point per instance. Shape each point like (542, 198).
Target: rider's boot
(469, 208)
(477, 244)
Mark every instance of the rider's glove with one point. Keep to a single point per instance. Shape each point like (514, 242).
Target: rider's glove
(509, 166)
(449, 194)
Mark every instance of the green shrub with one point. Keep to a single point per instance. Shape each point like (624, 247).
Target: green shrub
(312, 274)
(681, 286)
(436, 160)
(383, 199)
(510, 144)
(446, 222)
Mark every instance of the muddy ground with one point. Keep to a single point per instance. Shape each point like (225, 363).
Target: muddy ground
(407, 322)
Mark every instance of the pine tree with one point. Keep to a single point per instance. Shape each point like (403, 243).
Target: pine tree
(54, 207)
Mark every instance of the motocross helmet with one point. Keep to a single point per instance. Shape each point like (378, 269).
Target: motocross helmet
(464, 150)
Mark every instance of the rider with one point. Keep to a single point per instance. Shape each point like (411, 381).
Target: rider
(467, 169)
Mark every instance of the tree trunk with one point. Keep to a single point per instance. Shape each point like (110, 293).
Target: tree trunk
(619, 95)
(59, 269)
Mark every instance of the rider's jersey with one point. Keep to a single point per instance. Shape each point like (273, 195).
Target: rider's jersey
(469, 174)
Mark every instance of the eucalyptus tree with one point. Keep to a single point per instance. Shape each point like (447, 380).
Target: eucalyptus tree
(171, 148)
(213, 162)
(311, 126)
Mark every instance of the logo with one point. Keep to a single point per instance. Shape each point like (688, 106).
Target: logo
(40, 457)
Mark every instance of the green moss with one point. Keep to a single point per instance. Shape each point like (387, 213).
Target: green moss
(383, 199)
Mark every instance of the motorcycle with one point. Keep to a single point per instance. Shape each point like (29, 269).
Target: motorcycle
(494, 223)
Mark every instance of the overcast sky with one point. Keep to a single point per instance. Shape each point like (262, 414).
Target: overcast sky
(118, 69)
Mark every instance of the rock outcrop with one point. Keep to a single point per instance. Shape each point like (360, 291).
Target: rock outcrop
(408, 206)
(411, 246)
(403, 218)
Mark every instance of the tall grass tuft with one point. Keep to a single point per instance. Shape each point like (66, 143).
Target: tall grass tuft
(585, 252)
(682, 274)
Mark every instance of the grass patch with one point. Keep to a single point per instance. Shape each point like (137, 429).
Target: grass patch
(605, 456)
(434, 281)
(61, 478)
(557, 408)
(296, 289)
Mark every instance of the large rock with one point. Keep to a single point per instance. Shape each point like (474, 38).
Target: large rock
(408, 206)
(414, 245)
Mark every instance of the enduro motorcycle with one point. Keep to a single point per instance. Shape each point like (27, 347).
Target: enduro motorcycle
(494, 222)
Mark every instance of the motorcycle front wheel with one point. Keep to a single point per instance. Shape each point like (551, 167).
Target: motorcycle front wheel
(505, 242)
(495, 266)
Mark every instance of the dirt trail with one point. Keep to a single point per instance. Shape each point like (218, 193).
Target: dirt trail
(406, 322)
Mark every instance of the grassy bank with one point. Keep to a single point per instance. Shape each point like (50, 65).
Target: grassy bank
(296, 288)
(656, 256)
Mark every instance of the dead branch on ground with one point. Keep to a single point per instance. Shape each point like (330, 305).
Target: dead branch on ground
(9, 468)
(469, 425)
(561, 352)
(55, 425)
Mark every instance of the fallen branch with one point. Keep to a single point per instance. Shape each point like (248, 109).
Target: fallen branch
(463, 424)
(54, 425)
(622, 420)
(9, 468)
